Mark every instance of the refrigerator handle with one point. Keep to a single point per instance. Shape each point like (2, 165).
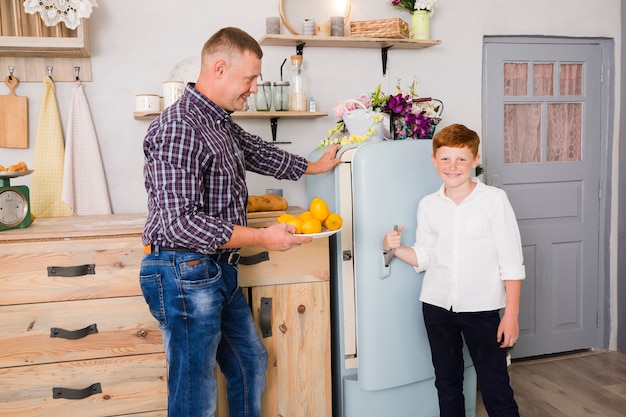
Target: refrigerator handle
(385, 260)
(387, 257)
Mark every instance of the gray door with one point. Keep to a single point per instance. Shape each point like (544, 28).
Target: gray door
(542, 143)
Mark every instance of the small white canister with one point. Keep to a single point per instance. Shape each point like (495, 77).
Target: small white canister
(147, 103)
(172, 91)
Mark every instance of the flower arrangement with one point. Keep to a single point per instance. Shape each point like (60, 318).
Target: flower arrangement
(339, 134)
(413, 5)
(410, 116)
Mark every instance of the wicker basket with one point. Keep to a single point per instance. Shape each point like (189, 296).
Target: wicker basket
(382, 28)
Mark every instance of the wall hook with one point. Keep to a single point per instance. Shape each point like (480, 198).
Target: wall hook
(11, 69)
(50, 68)
(77, 73)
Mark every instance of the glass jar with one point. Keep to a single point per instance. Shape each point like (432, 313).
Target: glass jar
(297, 97)
(281, 95)
(263, 97)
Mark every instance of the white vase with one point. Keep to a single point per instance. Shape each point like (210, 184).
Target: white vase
(420, 25)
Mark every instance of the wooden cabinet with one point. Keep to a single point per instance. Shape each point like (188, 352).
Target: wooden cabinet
(294, 287)
(76, 337)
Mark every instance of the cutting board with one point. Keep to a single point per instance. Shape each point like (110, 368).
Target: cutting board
(13, 118)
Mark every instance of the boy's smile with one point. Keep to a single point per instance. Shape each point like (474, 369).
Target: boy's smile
(454, 167)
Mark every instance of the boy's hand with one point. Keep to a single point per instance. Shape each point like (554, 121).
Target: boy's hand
(392, 239)
(508, 331)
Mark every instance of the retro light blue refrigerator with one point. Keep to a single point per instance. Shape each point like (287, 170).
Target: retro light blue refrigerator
(380, 353)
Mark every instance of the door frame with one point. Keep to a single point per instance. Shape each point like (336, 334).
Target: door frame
(621, 204)
(604, 323)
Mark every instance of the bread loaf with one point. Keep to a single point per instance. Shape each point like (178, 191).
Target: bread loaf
(266, 202)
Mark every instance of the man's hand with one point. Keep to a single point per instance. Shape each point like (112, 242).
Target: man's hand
(327, 161)
(281, 237)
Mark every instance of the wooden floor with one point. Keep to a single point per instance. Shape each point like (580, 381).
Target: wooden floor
(576, 385)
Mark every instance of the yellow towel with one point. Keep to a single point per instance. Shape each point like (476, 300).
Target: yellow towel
(84, 183)
(47, 178)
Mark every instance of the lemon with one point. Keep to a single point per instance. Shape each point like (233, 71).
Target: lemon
(333, 222)
(305, 215)
(319, 209)
(284, 217)
(311, 225)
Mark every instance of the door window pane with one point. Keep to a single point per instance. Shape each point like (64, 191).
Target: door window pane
(564, 132)
(543, 76)
(571, 76)
(515, 79)
(522, 133)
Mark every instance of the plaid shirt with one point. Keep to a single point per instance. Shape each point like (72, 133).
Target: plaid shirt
(196, 159)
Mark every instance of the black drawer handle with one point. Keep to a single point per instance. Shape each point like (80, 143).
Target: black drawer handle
(76, 394)
(266, 317)
(74, 334)
(254, 259)
(71, 271)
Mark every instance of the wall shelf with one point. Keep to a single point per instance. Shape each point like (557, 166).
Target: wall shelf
(30, 47)
(346, 42)
(248, 115)
(384, 44)
(273, 116)
(76, 45)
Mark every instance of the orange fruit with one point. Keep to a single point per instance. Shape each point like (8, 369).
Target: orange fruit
(295, 222)
(288, 218)
(311, 225)
(333, 222)
(319, 209)
(305, 215)
(284, 217)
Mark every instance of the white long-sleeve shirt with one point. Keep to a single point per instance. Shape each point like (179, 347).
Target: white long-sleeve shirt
(468, 250)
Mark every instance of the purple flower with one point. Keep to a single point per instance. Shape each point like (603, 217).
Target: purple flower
(398, 105)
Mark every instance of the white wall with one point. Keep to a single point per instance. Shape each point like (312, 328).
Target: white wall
(135, 44)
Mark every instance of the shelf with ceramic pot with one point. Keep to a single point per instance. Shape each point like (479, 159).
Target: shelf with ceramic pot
(272, 115)
(384, 44)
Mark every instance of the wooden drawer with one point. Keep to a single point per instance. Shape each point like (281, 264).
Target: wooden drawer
(124, 327)
(24, 275)
(129, 384)
(306, 263)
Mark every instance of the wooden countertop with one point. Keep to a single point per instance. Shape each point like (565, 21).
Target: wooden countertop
(78, 227)
(105, 226)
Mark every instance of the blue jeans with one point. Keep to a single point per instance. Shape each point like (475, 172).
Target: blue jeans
(446, 331)
(205, 319)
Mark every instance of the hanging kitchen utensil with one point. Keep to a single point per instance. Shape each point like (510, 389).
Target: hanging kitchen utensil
(13, 117)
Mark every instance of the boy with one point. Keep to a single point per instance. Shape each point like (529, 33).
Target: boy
(468, 242)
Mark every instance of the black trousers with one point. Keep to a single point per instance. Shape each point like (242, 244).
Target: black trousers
(446, 331)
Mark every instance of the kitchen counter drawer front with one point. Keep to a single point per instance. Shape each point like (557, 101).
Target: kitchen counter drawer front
(124, 327)
(132, 384)
(306, 263)
(24, 269)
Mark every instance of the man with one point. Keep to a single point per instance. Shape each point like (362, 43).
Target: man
(195, 163)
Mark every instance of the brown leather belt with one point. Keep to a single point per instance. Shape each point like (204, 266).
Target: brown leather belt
(231, 258)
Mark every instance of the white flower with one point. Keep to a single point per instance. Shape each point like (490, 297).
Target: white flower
(429, 107)
(426, 5)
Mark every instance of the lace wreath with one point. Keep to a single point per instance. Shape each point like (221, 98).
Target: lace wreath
(67, 11)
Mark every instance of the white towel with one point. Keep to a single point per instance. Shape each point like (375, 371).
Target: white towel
(47, 180)
(84, 182)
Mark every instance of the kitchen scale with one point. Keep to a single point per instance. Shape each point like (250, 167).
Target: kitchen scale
(14, 201)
